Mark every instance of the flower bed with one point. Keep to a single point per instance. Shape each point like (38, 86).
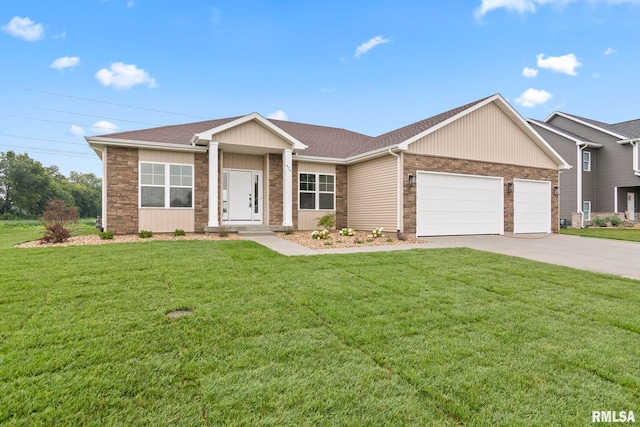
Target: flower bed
(336, 240)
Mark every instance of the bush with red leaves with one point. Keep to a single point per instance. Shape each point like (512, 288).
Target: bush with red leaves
(55, 218)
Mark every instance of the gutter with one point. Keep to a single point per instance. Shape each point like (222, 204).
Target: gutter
(399, 204)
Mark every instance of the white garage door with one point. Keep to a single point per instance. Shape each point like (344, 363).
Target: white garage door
(531, 206)
(454, 205)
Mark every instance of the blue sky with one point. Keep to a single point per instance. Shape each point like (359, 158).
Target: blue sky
(73, 69)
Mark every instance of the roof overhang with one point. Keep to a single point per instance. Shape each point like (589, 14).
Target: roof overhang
(577, 141)
(628, 141)
(511, 113)
(97, 142)
(203, 138)
(582, 122)
(350, 160)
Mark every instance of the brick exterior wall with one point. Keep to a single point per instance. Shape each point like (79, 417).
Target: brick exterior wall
(275, 189)
(201, 191)
(416, 162)
(122, 190)
(342, 196)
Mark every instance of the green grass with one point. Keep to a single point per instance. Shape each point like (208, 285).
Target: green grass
(423, 337)
(630, 234)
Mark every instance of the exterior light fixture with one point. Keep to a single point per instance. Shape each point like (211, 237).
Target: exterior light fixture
(510, 187)
(556, 190)
(412, 180)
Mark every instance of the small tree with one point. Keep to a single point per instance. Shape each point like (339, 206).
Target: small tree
(56, 217)
(328, 221)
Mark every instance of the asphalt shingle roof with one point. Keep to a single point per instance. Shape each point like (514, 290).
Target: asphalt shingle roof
(321, 141)
(630, 129)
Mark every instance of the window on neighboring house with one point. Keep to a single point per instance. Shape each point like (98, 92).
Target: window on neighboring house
(164, 185)
(317, 191)
(586, 161)
(586, 210)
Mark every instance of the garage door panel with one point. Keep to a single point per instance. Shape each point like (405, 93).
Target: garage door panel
(531, 206)
(453, 204)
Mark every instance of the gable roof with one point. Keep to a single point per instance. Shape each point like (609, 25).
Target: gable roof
(564, 133)
(594, 124)
(631, 128)
(318, 141)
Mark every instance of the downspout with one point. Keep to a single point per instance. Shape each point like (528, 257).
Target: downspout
(104, 188)
(580, 148)
(399, 204)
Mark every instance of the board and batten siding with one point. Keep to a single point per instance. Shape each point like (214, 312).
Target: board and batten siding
(486, 134)
(166, 220)
(373, 194)
(308, 220)
(242, 161)
(251, 134)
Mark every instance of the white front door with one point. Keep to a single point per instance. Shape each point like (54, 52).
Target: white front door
(631, 206)
(242, 196)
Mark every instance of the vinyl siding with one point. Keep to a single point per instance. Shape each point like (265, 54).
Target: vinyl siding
(165, 157)
(308, 220)
(166, 220)
(251, 134)
(486, 134)
(242, 161)
(316, 167)
(568, 178)
(373, 194)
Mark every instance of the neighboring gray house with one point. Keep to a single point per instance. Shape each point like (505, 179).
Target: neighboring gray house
(605, 177)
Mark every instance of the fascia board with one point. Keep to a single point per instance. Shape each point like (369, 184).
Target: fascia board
(101, 141)
(592, 126)
(208, 134)
(349, 160)
(628, 141)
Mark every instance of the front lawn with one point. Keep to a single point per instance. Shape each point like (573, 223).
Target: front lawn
(422, 337)
(631, 234)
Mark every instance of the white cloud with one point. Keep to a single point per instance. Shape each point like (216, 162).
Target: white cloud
(610, 51)
(529, 72)
(24, 28)
(130, 3)
(65, 62)
(524, 6)
(327, 90)
(103, 126)
(566, 64)
(533, 97)
(367, 46)
(62, 35)
(124, 76)
(76, 130)
(278, 115)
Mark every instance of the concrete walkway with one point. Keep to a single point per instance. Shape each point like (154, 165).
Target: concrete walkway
(598, 255)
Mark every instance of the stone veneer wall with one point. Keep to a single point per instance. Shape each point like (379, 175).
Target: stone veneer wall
(294, 196)
(417, 162)
(342, 196)
(122, 190)
(275, 189)
(201, 191)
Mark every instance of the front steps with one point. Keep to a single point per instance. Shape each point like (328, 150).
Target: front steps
(248, 230)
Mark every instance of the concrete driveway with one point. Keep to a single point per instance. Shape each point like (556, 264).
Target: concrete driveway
(598, 255)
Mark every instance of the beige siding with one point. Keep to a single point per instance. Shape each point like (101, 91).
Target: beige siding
(251, 134)
(373, 194)
(316, 167)
(242, 161)
(165, 157)
(308, 220)
(166, 220)
(486, 134)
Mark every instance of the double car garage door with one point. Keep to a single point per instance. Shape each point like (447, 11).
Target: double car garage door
(454, 204)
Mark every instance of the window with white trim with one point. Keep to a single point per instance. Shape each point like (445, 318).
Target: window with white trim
(586, 161)
(586, 210)
(317, 191)
(164, 185)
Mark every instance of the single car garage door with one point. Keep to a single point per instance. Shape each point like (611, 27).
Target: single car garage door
(531, 206)
(453, 204)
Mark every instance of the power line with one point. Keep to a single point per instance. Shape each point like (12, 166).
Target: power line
(86, 115)
(52, 152)
(43, 139)
(109, 103)
(64, 123)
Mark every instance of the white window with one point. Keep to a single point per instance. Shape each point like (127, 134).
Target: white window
(586, 210)
(586, 161)
(164, 185)
(317, 191)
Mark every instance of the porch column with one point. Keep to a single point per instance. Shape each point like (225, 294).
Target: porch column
(287, 188)
(213, 185)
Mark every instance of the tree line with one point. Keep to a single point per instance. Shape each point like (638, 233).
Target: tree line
(26, 186)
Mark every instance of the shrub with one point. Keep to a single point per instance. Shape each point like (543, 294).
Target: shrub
(600, 221)
(377, 232)
(179, 232)
(106, 235)
(347, 232)
(324, 234)
(55, 218)
(144, 234)
(328, 221)
(615, 220)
